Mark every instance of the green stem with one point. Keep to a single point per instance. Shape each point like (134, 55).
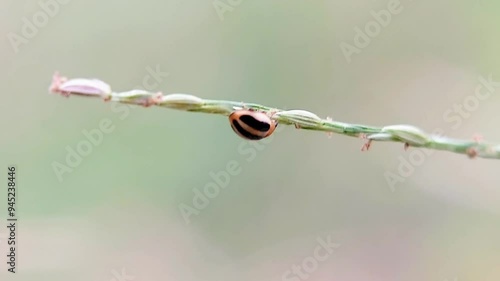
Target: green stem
(407, 134)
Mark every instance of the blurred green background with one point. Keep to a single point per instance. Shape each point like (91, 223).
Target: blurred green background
(119, 208)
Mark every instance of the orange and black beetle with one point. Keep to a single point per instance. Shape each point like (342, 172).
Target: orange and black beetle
(252, 125)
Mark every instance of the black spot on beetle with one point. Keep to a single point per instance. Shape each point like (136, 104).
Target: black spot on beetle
(238, 129)
(255, 124)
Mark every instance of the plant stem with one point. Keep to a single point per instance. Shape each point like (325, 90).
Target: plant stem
(301, 119)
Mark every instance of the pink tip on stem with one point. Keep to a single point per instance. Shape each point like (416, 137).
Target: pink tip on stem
(477, 138)
(154, 100)
(472, 151)
(366, 146)
(158, 98)
(57, 81)
(79, 86)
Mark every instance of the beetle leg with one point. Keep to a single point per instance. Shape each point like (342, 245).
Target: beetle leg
(367, 144)
(407, 145)
(271, 112)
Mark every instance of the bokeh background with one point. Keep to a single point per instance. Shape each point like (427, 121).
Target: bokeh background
(118, 210)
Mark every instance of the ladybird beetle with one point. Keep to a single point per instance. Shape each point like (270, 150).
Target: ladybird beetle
(252, 125)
